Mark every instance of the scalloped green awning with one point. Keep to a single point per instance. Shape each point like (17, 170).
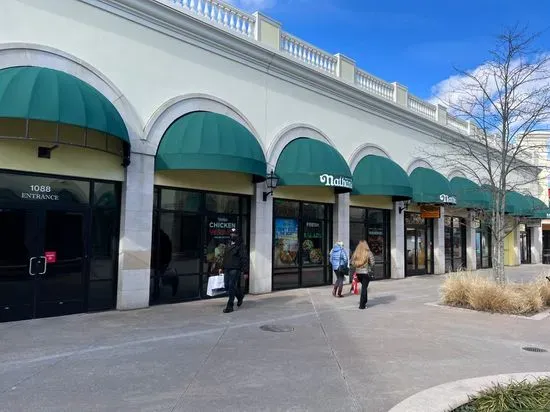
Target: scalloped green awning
(540, 210)
(310, 162)
(431, 187)
(469, 195)
(37, 93)
(518, 205)
(210, 141)
(380, 176)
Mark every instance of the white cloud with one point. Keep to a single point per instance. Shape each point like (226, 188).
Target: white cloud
(462, 91)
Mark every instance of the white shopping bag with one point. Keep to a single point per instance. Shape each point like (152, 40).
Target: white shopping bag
(216, 285)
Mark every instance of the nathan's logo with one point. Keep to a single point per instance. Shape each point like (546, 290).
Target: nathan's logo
(448, 199)
(329, 180)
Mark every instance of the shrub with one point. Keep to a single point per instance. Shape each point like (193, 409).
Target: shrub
(516, 396)
(478, 292)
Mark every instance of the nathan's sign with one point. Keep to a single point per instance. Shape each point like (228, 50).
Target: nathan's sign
(330, 180)
(450, 200)
(430, 212)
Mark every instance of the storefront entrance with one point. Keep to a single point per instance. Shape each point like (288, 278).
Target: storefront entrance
(372, 225)
(301, 243)
(455, 244)
(190, 232)
(525, 240)
(418, 244)
(53, 260)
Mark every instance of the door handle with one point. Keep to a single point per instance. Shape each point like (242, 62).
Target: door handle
(45, 265)
(30, 265)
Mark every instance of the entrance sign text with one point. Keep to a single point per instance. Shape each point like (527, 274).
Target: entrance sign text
(39, 192)
(330, 180)
(448, 199)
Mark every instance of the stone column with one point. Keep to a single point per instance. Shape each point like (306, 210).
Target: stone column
(471, 258)
(134, 264)
(536, 244)
(439, 244)
(261, 239)
(340, 223)
(397, 242)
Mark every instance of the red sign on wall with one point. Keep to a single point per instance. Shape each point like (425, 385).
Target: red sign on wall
(51, 257)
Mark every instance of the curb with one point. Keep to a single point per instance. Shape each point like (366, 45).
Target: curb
(446, 397)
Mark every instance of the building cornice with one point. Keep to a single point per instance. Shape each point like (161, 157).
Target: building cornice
(199, 32)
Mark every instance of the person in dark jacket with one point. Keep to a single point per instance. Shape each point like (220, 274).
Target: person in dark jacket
(235, 262)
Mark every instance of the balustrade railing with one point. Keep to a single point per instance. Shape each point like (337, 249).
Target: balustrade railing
(421, 107)
(457, 124)
(373, 84)
(223, 14)
(307, 53)
(220, 13)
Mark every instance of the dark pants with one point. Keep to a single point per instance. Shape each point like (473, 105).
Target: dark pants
(365, 280)
(231, 280)
(339, 279)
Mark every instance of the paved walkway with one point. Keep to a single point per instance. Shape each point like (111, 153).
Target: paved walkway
(191, 357)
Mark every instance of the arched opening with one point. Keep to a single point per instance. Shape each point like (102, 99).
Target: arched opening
(63, 146)
(206, 167)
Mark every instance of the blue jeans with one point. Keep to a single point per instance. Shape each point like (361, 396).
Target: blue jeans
(231, 280)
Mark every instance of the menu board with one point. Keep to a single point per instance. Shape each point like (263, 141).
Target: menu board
(286, 242)
(312, 246)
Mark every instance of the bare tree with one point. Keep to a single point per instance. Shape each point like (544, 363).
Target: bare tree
(503, 101)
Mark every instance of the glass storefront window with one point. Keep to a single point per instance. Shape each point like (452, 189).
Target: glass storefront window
(372, 225)
(180, 200)
(418, 244)
(455, 243)
(190, 232)
(483, 247)
(75, 222)
(301, 238)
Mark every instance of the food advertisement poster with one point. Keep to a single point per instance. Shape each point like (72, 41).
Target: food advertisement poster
(312, 252)
(286, 242)
(219, 231)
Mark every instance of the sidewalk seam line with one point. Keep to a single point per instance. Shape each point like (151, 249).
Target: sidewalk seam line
(340, 368)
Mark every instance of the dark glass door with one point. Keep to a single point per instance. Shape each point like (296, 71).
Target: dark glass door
(42, 261)
(418, 245)
(60, 285)
(19, 247)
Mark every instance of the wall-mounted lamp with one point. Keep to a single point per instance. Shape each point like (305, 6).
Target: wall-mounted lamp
(46, 152)
(404, 206)
(271, 182)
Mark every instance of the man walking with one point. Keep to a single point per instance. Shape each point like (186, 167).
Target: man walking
(235, 262)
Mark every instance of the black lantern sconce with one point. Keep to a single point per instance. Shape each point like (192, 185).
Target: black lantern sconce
(404, 206)
(271, 182)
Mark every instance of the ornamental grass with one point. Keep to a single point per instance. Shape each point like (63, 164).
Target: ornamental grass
(517, 396)
(478, 292)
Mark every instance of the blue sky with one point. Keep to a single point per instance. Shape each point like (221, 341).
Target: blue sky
(416, 43)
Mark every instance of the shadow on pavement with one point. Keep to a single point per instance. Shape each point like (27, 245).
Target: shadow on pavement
(381, 300)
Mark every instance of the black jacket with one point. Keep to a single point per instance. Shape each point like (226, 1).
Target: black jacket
(236, 257)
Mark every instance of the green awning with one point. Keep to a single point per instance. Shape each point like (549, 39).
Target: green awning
(431, 187)
(310, 162)
(37, 93)
(380, 176)
(517, 205)
(469, 195)
(539, 209)
(210, 141)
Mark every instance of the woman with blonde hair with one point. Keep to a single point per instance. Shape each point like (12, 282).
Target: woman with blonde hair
(362, 260)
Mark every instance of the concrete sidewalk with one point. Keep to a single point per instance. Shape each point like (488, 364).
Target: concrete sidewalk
(191, 357)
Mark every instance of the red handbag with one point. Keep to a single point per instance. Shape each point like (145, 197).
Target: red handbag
(355, 284)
